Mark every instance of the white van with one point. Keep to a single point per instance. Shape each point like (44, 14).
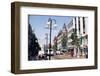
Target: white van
(50, 52)
(41, 53)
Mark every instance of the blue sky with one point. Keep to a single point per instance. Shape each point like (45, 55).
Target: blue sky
(39, 22)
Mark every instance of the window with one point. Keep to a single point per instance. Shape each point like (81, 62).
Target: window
(79, 24)
(83, 24)
(75, 22)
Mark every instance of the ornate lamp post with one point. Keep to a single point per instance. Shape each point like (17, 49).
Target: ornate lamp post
(49, 23)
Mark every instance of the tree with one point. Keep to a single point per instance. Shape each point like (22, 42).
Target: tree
(63, 41)
(55, 46)
(33, 45)
(75, 41)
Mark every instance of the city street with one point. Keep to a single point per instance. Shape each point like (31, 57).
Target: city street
(66, 56)
(68, 41)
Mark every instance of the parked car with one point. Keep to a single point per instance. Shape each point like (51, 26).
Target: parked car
(59, 52)
(70, 49)
(50, 53)
(41, 54)
(64, 50)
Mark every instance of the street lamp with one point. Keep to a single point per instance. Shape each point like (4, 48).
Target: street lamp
(46, 44)
(50, 24)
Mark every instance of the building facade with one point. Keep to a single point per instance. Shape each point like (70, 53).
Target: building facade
(80, 23)
(59, 36)
(61, 39)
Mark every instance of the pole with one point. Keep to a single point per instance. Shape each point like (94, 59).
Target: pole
(50, 20)
(46, 41)
(50, 39)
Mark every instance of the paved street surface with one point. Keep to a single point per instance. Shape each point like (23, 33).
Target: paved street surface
(66, 56)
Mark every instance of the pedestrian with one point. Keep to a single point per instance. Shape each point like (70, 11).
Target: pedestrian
(86, 51)
(81, 50)
(72, 52)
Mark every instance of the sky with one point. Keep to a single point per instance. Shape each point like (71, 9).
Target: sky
(39, 24)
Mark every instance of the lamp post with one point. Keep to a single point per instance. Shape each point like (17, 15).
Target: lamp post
(46, 40)
(50, 30)
(46, 44)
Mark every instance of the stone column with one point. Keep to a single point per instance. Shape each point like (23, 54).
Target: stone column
(81, 33)
(77, 26)
(81, 25)
(86, 25)
(75, 21)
